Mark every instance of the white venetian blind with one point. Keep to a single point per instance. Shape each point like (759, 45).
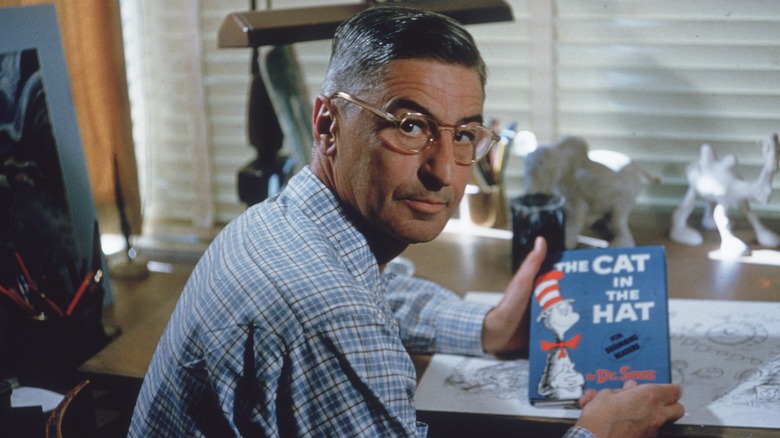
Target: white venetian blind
(654, 80)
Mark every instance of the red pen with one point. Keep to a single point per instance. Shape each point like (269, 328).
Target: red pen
(18, 300)
(83, 289)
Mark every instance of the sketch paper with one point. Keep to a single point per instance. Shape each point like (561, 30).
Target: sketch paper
(480, 385)
(725, 355)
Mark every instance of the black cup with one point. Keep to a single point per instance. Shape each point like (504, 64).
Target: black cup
(533, 215)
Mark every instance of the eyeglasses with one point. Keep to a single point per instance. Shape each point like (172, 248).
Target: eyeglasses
(415, 132)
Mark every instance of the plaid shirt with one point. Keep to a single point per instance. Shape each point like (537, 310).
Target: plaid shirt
(578, 432)
(287, 328)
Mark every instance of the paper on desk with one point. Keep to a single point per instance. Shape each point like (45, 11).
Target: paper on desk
(725, 355)
(486, 386)
(24, 396)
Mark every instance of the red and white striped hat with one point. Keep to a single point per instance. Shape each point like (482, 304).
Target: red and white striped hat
(546, 290)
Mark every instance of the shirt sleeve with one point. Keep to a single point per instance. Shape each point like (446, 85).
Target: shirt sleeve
(363, 383)
(433, 319)
(578, 432)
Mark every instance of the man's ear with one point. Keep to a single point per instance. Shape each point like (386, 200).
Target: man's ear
(324, 126)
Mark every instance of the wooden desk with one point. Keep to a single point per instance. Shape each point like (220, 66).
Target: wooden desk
(141, 310)
(462, 262)
(467, 262)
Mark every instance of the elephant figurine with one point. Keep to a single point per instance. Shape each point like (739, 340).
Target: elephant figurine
(600, 187)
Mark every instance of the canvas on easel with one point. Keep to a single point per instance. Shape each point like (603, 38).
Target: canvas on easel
(53, 281)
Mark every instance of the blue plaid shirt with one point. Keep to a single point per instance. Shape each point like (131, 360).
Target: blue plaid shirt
(287, 328)
(578, 432)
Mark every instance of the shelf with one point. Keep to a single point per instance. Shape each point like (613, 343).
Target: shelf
(293, 25)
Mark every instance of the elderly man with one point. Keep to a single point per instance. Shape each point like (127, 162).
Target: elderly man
(288, 326)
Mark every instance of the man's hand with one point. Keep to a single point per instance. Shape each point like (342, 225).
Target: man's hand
(634, 411)
(506, 326)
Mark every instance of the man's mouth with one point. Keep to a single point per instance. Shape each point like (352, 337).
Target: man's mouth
(426, 205)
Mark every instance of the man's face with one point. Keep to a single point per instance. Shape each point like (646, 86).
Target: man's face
(405, 196)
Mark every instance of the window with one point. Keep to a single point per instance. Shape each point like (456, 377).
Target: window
(653, 80)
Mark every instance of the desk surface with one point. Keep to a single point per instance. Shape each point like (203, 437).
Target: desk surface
(463, 262)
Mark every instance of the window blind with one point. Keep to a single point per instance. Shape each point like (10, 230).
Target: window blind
(657, 79)
(653, 80)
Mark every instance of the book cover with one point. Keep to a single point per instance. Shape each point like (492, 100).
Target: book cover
(599, 317)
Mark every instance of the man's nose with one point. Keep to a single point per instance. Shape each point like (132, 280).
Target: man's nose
(440, 158)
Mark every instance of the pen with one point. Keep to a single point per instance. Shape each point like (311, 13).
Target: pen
(23, 289)
(34, 287)
(85, 284)
(16, 299)
(497, 163)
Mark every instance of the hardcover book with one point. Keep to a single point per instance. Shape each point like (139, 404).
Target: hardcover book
(599, 317)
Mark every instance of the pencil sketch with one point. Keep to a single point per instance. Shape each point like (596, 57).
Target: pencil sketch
(454, 383)
(737, 333)
(726, 361)
(503, 380)
(758, 393)
(726, 358)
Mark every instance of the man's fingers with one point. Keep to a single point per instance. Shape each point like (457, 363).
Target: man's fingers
(534, 260)
(519, 289)
(505, 327)
(530, 266)
(667, 396)
(670, 393)
(674, 411)
(589, 395)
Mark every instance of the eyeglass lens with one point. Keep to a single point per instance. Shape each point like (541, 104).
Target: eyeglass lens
(416, 132)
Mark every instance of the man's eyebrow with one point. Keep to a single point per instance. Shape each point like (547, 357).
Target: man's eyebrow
(412, 106)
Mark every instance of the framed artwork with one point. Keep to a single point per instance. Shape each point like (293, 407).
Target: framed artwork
(51, 262)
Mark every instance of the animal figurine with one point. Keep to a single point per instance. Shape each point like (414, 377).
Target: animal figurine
(600, 187)
(719, 184)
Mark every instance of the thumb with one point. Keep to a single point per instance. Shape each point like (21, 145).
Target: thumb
(522, 282)
(504, 328)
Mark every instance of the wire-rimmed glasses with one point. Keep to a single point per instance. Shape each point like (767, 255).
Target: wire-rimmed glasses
(415, 132)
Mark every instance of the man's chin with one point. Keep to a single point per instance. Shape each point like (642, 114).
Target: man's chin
(420, 231)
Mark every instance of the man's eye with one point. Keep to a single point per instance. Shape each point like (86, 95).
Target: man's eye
(464, 136)
(412, 127)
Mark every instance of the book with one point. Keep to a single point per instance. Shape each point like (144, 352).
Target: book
(599, 317)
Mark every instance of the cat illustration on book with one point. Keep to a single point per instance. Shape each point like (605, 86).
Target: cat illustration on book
(560, 380)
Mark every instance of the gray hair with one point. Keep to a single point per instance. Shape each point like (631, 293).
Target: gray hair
(365, 44)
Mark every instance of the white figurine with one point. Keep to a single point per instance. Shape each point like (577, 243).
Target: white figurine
(719, 184)
(597, 185)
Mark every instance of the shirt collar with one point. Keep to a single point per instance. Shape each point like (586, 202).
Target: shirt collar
(320, 204)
